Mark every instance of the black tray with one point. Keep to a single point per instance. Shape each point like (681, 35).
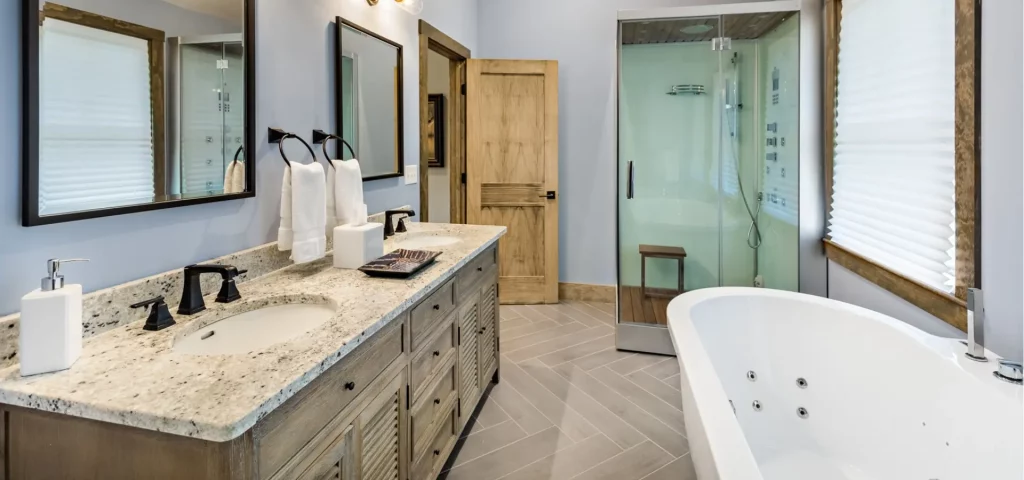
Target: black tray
(400, 263)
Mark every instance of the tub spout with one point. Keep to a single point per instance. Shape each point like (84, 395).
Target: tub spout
(975, 325)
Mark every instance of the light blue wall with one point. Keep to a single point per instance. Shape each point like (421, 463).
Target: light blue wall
(295, 87)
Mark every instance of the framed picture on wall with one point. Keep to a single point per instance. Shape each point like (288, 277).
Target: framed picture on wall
(435, 130)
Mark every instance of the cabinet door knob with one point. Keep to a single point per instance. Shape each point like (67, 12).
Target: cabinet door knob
(437, 401)
(482, 330)
(350, 386)
(479, 269)
(437, 353)
(437, 452)
(437, 307)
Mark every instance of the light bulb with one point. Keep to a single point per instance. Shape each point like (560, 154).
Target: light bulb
(414, 7)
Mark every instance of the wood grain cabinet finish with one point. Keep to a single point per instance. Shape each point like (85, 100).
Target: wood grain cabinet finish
(390, 410)
(430, 313)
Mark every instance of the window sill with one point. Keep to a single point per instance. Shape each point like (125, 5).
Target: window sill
(940, 304)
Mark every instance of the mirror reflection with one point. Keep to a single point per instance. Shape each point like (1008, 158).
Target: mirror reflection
(140, 101)
(370, 100)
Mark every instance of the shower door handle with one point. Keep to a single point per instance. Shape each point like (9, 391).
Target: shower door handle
(629, 180)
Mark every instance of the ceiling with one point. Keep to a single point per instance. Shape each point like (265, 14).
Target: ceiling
(738, 27)
(226, 9)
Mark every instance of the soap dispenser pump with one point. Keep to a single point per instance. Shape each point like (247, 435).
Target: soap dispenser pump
(50, 339)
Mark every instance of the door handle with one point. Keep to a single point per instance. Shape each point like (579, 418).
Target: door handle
(629, 180)
(550, 195)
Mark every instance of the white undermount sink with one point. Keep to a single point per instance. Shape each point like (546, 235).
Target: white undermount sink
(254, 330)
(427, 241)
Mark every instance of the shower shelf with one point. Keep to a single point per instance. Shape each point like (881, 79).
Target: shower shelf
(686, 90)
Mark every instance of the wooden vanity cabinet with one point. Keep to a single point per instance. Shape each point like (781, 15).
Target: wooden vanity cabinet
(390, 410)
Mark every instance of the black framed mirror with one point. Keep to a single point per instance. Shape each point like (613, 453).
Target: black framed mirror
(135, 105)
(369, 100)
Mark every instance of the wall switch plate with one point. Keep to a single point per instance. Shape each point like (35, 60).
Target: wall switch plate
(412, 174)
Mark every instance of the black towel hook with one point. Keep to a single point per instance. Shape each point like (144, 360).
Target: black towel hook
(321, 137)
(278, 136)
(239, 151)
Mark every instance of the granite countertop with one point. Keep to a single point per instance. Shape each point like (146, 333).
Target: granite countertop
(132, 377)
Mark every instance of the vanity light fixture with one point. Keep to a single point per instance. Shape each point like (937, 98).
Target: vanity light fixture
(414, 7)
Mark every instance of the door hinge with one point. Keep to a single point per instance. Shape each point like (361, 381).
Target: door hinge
(463, 88)
(463, 178)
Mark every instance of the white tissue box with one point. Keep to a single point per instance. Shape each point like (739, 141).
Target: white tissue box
(355, 246)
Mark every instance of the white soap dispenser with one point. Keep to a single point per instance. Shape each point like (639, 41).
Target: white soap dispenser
(51, 323)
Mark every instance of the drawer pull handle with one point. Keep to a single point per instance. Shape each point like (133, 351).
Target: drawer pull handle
(437, 307)
(437, 452)
(350, 386)
(437, 353)
(437, 401)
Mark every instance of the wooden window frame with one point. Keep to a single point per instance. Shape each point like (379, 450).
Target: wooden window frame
(155, 38)
(952, 309)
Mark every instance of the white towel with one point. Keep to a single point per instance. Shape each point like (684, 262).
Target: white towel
(332, 211)
(348, 195)
(234, 178)
(309, 216)
(285, 235)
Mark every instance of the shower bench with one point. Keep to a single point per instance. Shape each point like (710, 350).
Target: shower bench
(658, 251)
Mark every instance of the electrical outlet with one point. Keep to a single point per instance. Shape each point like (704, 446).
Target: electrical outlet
(412, 174)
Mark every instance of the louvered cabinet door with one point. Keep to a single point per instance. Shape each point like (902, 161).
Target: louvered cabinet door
(469, 356)
(336, 462)
(487, 332)
(382, 435)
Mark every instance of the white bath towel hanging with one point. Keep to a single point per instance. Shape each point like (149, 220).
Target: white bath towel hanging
(285, 235)
(332, 210)
(309, 215)
(234, 177)
(349, 192)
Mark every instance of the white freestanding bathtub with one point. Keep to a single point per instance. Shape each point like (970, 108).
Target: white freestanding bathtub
(824, 390)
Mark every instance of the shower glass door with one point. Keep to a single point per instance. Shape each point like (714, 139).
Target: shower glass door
(708, 126)
(669, 169)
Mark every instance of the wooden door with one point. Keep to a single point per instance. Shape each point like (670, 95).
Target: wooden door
(487, 329)
(382, 431)
(512, 170)
(337, 462)
(469, 356)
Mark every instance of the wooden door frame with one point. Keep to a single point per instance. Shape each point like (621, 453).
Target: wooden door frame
(433, 39)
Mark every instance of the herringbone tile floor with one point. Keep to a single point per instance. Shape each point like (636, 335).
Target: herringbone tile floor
(569, 406)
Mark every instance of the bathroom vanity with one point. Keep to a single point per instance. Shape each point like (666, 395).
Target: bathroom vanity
(379, 391)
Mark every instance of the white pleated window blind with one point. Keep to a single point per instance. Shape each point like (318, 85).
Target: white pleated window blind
(893, 190)
(96, 135)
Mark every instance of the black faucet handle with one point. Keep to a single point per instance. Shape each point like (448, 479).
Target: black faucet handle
(389, 228)
(401, 226)
(146, 303)
(159, 317)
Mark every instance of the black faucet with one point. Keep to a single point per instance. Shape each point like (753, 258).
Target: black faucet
(389, 229)
(192, 297)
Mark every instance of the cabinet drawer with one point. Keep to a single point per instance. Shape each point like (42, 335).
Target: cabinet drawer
(292, 425)
(430, 313)
(428, 360)
(430, 408)
(470, 276)
(433, 458)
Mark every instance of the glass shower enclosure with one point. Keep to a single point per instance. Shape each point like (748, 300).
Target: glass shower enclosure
(708, 112)
(207, 109)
